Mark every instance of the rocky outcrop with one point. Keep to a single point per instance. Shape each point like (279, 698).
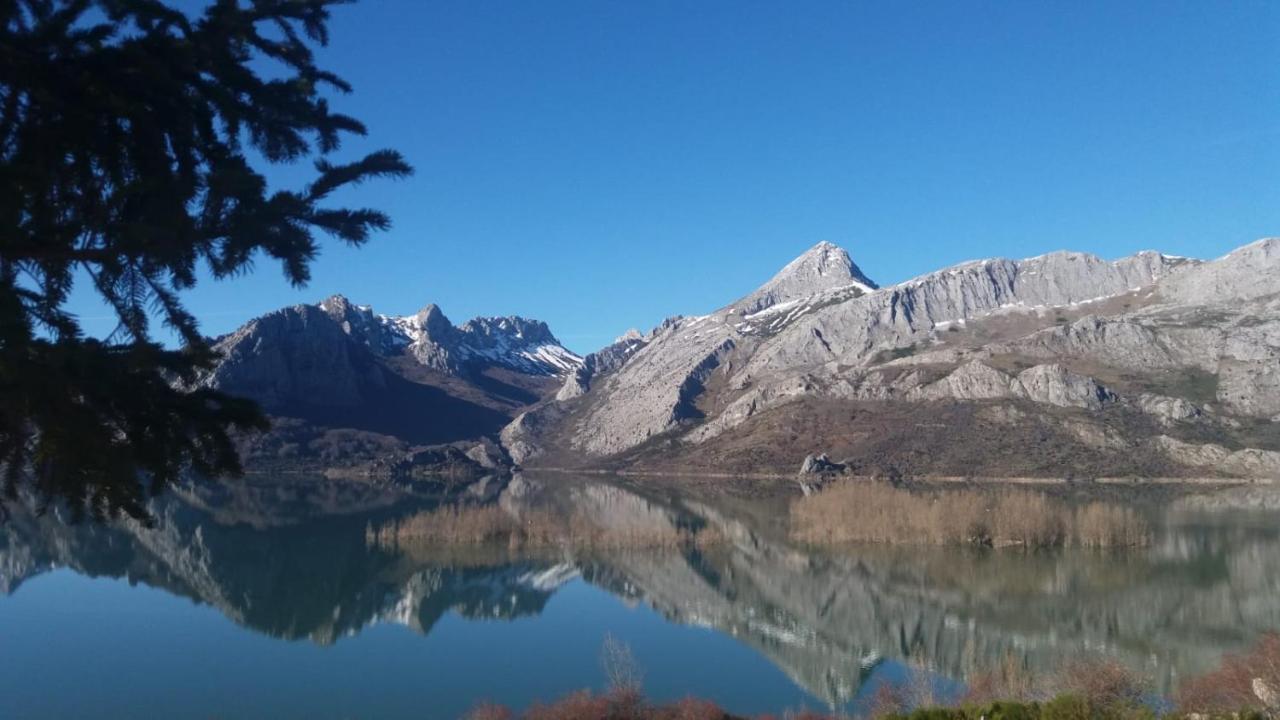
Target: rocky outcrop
(1055, 385)
(1168, 411)
(820, 464)
(972, 381)
(600, 363)
(1215, 459)
(1051, 384)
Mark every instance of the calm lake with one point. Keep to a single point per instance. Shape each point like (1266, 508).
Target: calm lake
(273, 598)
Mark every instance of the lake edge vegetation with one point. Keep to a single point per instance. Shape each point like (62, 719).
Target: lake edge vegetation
(861, 511)
(1242, 687)
(534, 528)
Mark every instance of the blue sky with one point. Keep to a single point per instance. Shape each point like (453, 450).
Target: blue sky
(602, 165)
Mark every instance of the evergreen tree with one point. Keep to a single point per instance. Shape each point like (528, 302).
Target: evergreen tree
(129, 135)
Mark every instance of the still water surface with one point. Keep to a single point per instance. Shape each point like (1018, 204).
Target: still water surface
(268, 600)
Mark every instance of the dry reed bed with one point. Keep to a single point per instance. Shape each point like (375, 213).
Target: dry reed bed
(872, 512)
(491, 525)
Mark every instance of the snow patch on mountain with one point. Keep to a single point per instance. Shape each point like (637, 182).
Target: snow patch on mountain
(514, 342)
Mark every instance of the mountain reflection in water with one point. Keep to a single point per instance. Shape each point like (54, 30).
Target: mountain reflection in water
(292, 559)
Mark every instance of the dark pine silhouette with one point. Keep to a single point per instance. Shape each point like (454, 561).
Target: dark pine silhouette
(131, 141)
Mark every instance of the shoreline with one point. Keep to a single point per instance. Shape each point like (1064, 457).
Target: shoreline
(941, 479)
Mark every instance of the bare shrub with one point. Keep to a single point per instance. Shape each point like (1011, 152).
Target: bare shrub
(1236, 682)
(1009, 680)
(621, 669)
(1103, 682)
(870, 512)
(889, 699)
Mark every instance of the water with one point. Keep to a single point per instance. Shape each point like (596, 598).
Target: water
(269, 600)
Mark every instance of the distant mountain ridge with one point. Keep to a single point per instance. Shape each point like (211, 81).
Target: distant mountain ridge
(517, 343)
(349, 385)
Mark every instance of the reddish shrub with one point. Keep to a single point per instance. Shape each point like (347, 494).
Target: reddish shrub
(581, 705)
(889, 699)
(489, 711)
(626, 703)
(690, 709)
(1234, 685)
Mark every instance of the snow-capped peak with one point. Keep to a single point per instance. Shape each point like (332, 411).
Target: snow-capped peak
(514, 342)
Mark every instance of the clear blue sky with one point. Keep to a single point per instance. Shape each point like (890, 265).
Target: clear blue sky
(602, 165)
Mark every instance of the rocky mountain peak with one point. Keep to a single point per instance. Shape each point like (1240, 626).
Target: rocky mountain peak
(516, 328)
(335, 304)
(432, 321)
(822, 267)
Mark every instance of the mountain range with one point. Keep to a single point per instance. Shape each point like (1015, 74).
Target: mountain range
(1062, 365)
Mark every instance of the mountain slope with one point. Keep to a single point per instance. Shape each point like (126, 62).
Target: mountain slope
(348, 384)
(1055, 365)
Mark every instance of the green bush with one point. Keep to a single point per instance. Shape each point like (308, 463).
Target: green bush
(1066, 707)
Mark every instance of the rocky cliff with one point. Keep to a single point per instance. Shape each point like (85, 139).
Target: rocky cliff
(1062, 364)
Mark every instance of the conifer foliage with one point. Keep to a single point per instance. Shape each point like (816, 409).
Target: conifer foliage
(132, 142)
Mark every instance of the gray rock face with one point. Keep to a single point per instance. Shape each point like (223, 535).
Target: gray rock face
(900, 316)
(1057, 330)
(662, 373)
(819, 465)
(971, 381)
(1048, 384)
(1210, 456)
(294, 355)
(822, 267)
(516, 343)
(601, 362)
(327, 353)
(1247, 273)
(1168, 411)
(1055, 385)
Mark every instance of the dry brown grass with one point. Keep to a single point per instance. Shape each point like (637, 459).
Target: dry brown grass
(869, 512)
(491, 525)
